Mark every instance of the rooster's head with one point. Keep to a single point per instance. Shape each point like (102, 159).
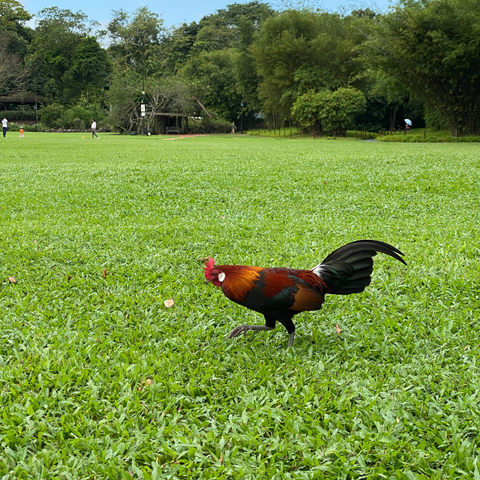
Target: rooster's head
(212, 274)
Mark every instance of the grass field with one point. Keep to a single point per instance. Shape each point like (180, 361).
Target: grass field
(100, 380)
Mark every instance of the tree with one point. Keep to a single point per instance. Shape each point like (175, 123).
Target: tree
(14, 39)
(89, 68)
(433, 47)
(137, 59)
(57, 37)
(13, 30)
(302, 50)
(213, 81)
(335, 111)
(249, 22)
(136, 41)
(13, 76)
(228, 30)
(223, 29)
(163, 94)
(176, 47)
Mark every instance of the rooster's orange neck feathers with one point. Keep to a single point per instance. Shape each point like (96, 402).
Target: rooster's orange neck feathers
(239, 280)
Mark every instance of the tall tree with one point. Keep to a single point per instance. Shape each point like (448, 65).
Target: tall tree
(14, 39)
(57, 35)
(249, 20)
(176, 47)
(212, 77)
(136, 41)
(15, 34)
(89, 68)
(137, 61)
(219, 63)
(13, 76)
(302, 50)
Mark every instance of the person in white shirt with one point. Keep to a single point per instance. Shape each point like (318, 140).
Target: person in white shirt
(4, 125)
(94, 127)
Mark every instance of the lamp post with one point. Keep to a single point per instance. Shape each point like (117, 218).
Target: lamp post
(241, 118)
(142, 106)
(36, 113)
(144, 128)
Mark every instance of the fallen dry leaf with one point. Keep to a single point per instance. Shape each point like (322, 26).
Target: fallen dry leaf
(220, 459)
(12, 279)
(338, 329)
(69, 278)
(148, 381)
(169, 303)
(104, 273)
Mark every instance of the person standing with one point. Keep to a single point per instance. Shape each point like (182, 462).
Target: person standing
(4, 125)
(94, 127)
(234, 127)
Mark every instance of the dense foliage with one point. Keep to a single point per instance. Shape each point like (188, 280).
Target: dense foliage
(419, 60)
(329, 110)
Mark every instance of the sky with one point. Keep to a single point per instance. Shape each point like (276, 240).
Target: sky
(175, 12)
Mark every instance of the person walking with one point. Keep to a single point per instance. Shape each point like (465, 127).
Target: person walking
(234, 127)
(94, 127)
(4, 125)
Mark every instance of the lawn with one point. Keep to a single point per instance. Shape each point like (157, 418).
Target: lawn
(100, 380)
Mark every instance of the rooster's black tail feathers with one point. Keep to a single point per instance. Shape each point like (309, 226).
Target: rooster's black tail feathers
(347, 270)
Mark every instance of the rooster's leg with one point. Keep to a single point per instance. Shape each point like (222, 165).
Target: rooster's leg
(245, 328)
(291, 338)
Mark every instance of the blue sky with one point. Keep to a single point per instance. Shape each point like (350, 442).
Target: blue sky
(174, 12)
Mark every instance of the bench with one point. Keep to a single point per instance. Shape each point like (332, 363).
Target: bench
(172, 130)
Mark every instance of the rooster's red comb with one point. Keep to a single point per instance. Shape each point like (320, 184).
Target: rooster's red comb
(209, 267)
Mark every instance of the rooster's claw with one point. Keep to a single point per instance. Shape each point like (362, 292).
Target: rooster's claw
(239, 330)
(245, 328)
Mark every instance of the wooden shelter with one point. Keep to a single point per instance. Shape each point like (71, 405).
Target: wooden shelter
(172, 122)
(11, 102)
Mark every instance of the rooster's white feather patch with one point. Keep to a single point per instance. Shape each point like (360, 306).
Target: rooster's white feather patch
(318, 270)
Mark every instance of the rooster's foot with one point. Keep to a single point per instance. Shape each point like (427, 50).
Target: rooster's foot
(245, 328)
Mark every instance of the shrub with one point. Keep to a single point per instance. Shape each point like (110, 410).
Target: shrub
(51, 115)
(77, 117)
(78, 124)
(209, 125)
(23, 114)
(15, 127)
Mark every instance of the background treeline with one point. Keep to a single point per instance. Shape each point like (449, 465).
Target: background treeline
(249, 63)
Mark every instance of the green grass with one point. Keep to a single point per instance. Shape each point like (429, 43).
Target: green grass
(425, 135)
(416, 135)
(98, 379)
(294, 132)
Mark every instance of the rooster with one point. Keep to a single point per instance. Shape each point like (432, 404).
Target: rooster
(280, 293)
